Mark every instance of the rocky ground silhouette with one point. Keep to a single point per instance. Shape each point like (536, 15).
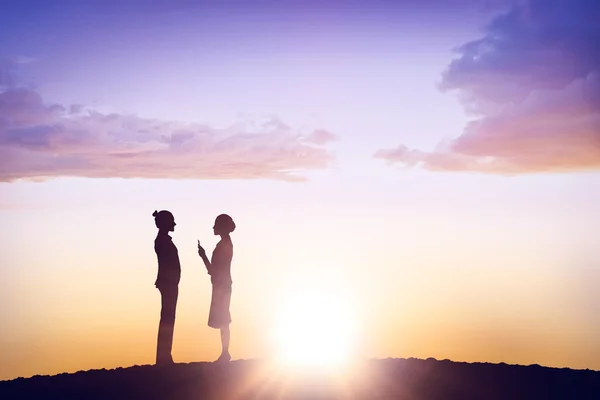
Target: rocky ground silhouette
(412, 379)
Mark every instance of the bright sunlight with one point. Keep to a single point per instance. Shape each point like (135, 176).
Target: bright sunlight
(316, 328)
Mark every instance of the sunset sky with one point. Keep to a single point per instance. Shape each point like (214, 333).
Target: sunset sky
(431, 164)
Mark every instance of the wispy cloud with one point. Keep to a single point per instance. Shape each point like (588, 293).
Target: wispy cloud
(533, 81)
(39, 141)
(7, 73)
(25, 60)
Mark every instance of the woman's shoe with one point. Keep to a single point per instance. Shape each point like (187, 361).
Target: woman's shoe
(224, 358)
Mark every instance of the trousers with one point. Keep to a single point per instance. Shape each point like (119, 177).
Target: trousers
(167, 323)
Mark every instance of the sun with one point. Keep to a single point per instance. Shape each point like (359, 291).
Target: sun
(315, 328)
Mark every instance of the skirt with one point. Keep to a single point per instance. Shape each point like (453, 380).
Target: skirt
(219, 315)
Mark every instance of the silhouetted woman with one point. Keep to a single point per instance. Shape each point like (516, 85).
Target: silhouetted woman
(219, 268)
(169, 272)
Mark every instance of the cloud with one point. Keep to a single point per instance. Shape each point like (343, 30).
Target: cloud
(7, 73)
(320, 137)
(533, 83)
(25, 60)
(40, 141)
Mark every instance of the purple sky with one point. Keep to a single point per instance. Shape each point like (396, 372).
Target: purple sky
(212, 62)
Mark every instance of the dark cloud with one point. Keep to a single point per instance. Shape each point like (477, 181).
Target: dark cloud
(39, 141)
(533, 81)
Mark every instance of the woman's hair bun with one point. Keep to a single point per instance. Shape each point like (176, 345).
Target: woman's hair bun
(155, 213)
(226, 222)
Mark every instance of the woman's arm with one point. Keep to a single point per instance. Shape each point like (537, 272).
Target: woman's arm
(207, 264)
(202, 255)
(160, 257)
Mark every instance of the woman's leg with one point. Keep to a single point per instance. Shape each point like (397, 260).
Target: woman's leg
(225, 341)
(220, 317)
(166, 325)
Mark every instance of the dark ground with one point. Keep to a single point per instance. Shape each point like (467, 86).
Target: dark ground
(377, 379)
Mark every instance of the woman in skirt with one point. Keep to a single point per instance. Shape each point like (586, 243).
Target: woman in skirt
(219, 269)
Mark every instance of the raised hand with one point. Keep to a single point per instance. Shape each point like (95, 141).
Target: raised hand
(201, 251)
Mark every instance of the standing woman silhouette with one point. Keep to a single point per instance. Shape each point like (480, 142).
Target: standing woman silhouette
(167, 281)
(219, 269)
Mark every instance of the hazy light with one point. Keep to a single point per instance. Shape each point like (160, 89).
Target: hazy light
(315, 328)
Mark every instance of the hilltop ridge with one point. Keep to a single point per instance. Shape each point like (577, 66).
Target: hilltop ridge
(411, 378)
